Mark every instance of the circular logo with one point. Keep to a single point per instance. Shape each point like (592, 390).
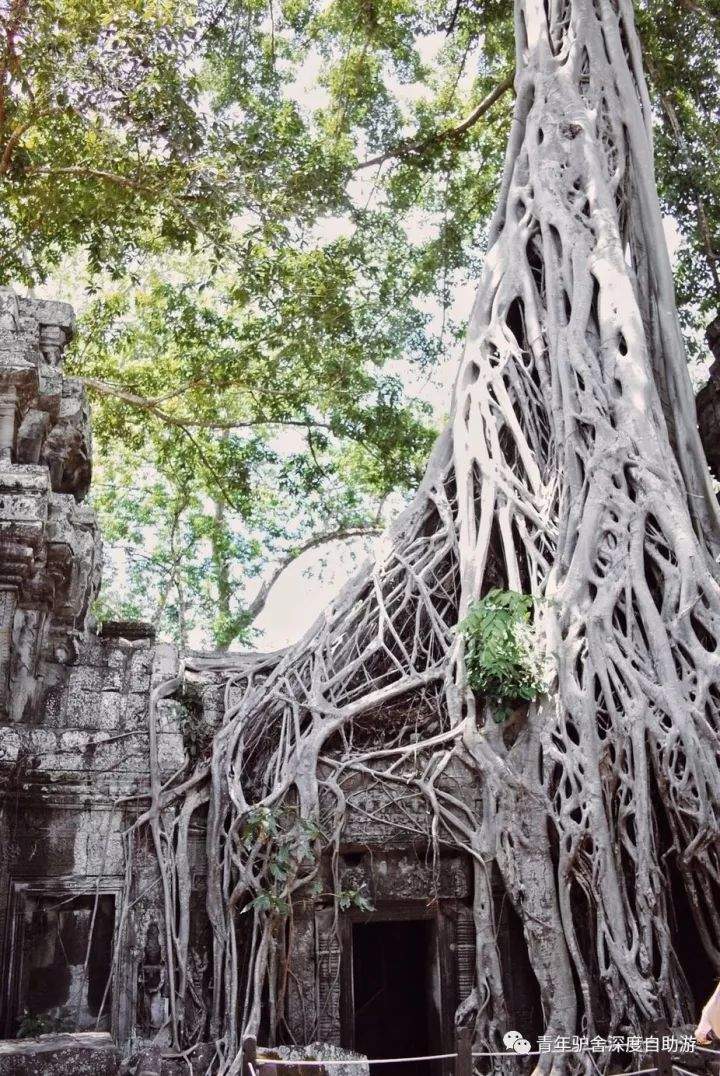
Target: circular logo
(514, 1041)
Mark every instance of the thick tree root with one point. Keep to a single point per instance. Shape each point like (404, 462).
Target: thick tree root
(571, 470)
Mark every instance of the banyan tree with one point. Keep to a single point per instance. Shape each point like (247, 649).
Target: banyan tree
(570, 473)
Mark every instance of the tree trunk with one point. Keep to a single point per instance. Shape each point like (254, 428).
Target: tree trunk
(225, 634)
(577, 456)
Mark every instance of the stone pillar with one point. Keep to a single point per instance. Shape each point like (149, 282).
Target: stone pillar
(8, 422)
(8, 605)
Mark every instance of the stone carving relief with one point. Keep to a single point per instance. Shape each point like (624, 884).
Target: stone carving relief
(152, 994)
(49, 543)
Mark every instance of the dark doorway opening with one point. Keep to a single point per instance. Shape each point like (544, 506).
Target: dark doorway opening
(66, 962)
(519, 983)
(394, 968)
(687, 941)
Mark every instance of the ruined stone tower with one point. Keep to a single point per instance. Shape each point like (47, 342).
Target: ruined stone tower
(73, 717)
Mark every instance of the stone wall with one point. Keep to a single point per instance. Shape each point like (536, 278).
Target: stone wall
(74, 721)
(71, 773)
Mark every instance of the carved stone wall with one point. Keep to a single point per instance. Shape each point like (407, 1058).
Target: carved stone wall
(707, 403)
(74, 711)
(69, 775)
(49, 542)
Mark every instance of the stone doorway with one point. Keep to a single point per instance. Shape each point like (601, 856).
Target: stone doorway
(395, 987)
(61, 962)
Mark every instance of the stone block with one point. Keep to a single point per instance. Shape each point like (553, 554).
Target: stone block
(137, 709)
(50, 312)
(55, 707)
(169, 715)
(105, 854)
(24, 495)
(49, 388)
(87, 1053)
(166, 663)
(112, 709)
(87, 678)
(141, 664)
(171, 751)
(83, 710)
(95, 652)
(150, 1062)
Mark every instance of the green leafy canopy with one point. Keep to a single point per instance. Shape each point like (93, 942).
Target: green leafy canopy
(265, 213)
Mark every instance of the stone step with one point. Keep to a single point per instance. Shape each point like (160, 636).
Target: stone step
(83, 1053)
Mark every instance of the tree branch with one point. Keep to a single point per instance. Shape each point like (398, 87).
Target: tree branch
(150, 404)
(340, 534)
(412, 146)
(14, 139)
(91, 173)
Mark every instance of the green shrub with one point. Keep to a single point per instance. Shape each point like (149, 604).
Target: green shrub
(502, 664)
(289, 841)
(30, 1025)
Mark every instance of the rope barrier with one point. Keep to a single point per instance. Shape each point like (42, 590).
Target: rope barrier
(425, 1057)
(287, 1062)
(363, 1061)
(514, 1053)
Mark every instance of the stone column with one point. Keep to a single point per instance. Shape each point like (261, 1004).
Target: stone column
(8, 605)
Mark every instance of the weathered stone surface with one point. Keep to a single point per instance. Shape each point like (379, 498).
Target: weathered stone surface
(707, 403)
(90, 1053)
(150, 1062)
(314, 1051)
(49, 542)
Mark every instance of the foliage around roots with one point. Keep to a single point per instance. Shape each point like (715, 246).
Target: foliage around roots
(500, 662)
(571, 471)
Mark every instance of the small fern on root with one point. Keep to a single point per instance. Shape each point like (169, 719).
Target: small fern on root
(502, 658)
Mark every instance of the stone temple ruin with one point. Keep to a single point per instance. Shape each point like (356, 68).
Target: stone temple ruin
(75, 957)
(74, 704)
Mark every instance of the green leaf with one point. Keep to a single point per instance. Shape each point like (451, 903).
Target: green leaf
(499, 666)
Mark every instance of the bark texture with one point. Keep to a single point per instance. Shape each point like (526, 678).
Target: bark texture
(571, 470)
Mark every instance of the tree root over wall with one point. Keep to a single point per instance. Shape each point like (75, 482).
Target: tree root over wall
(571, 470)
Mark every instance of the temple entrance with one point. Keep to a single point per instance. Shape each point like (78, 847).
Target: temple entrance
(61, 963)
(395, 993)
